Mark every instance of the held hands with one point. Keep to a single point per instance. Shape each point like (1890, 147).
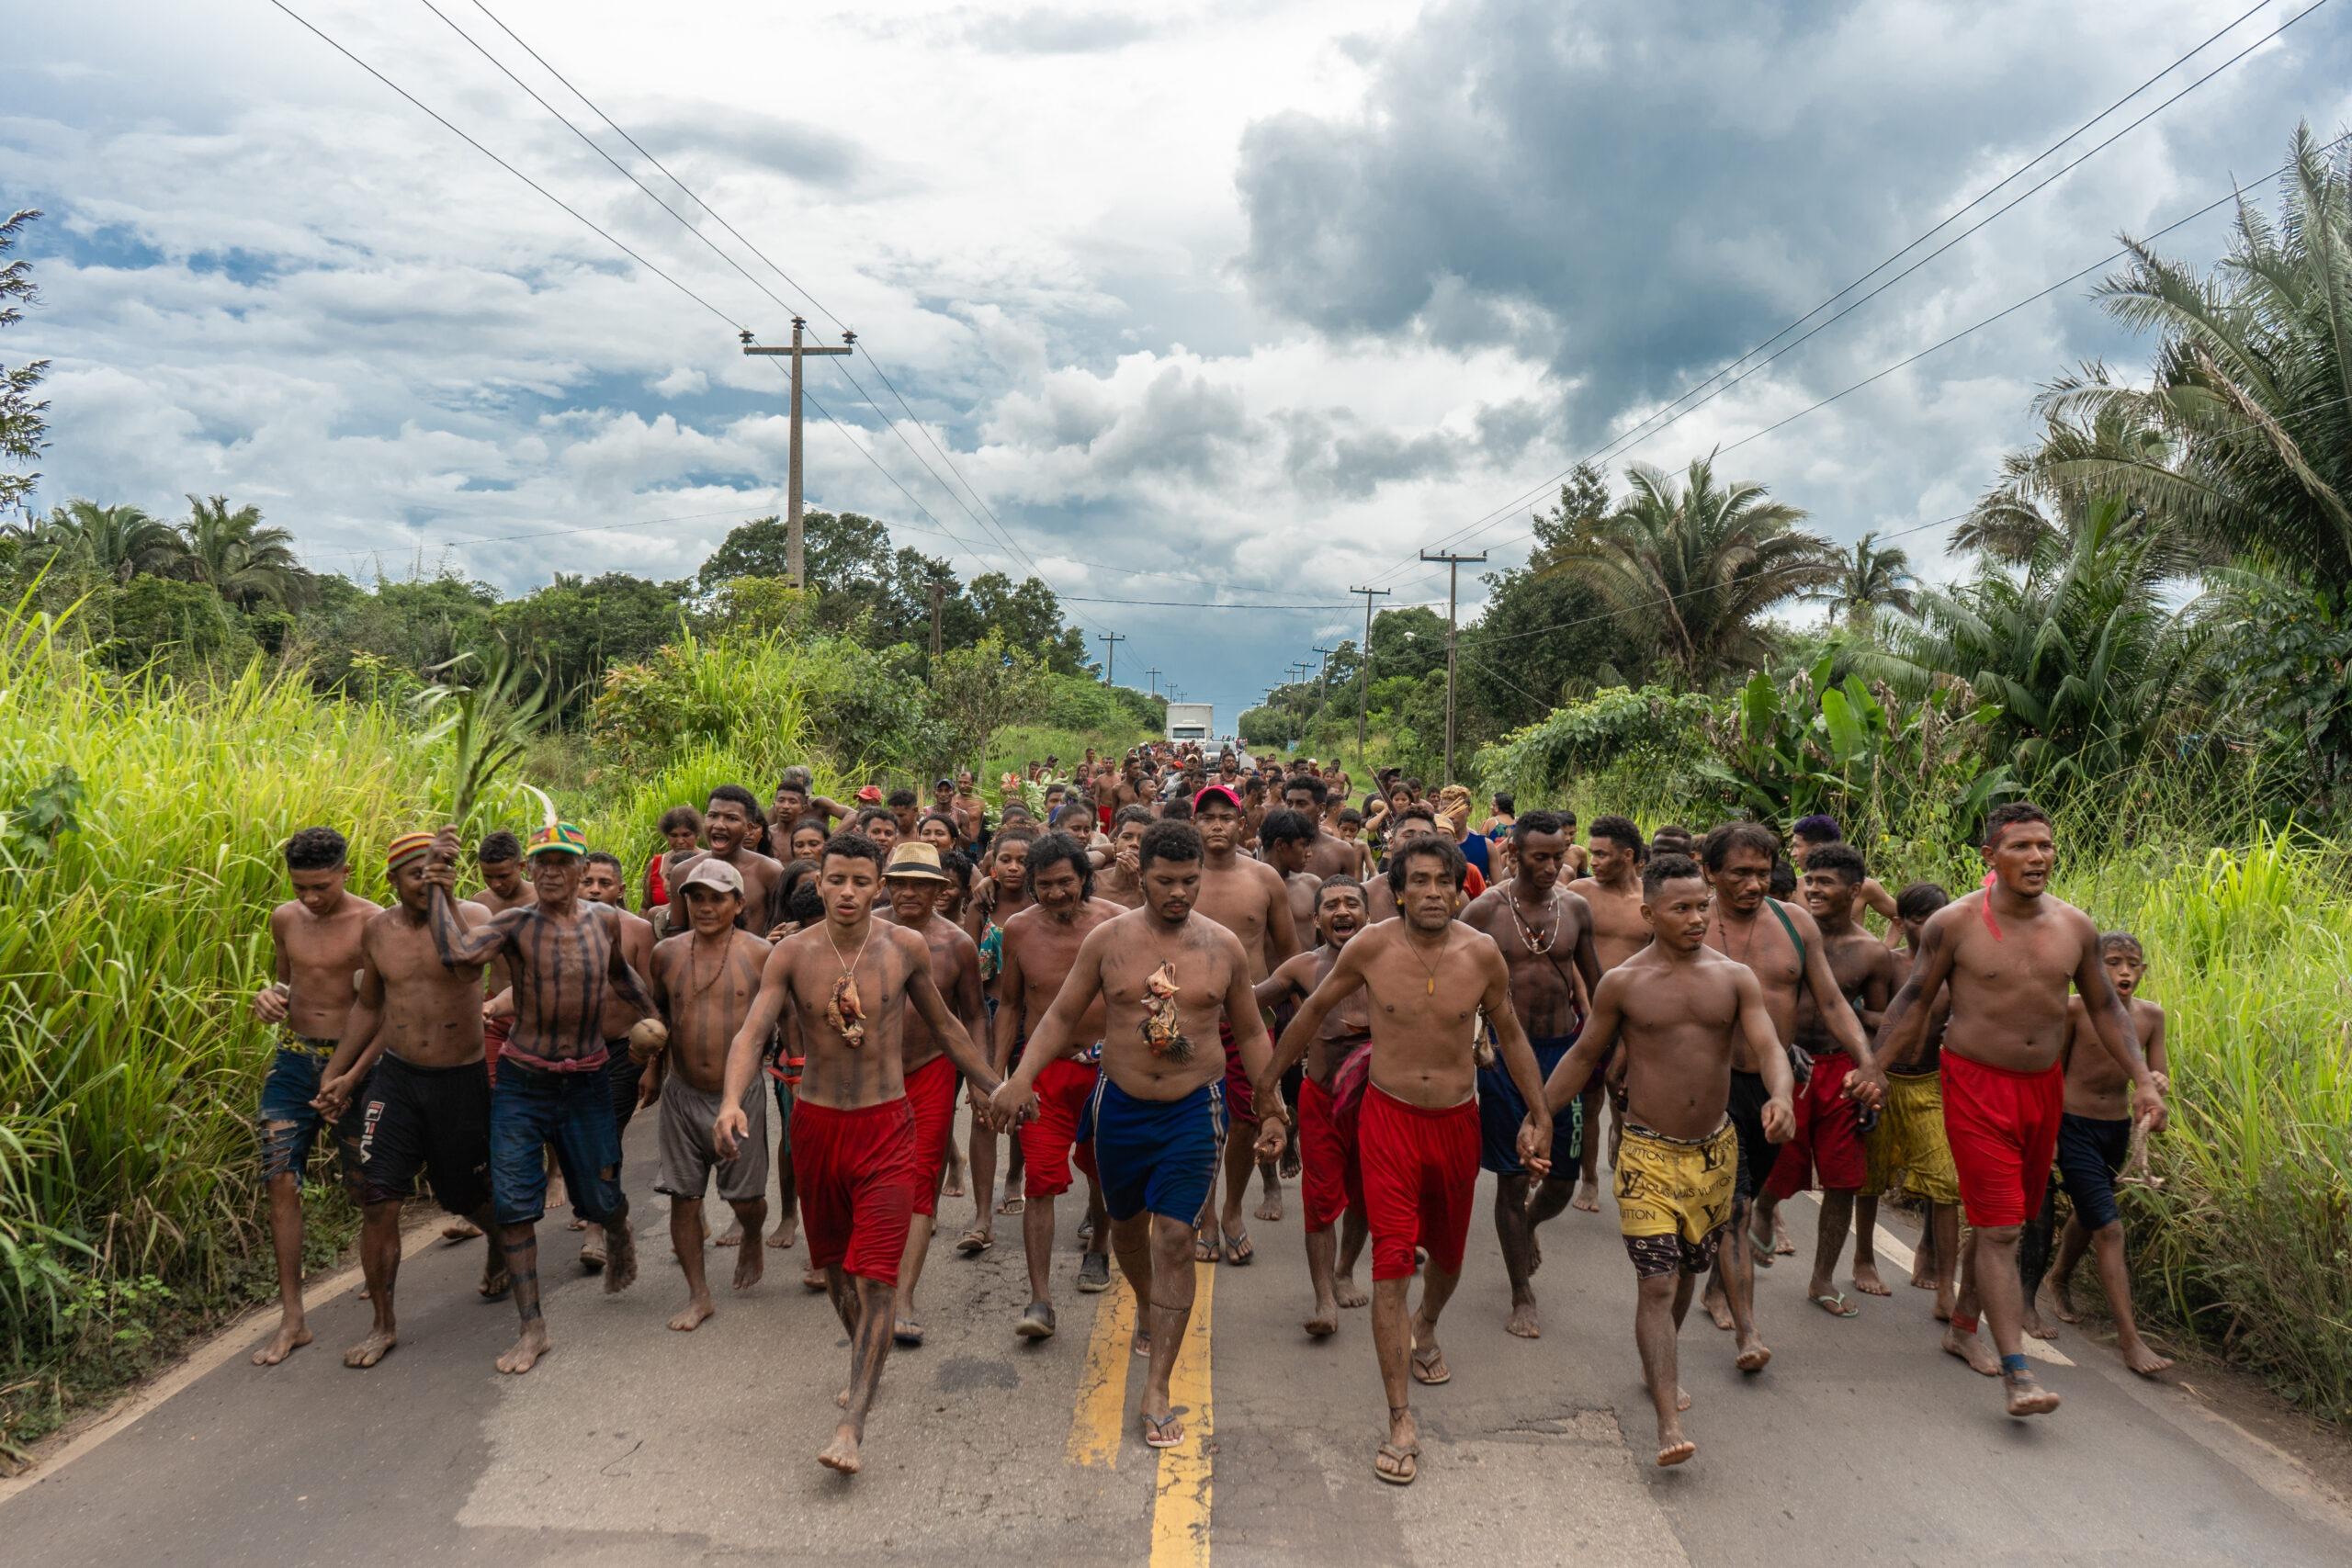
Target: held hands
(1010, 1106)
(1536, 1145)
(441, 869)
(270, 1003)
(1779, 1121)
(1271, 1135)
(334, 1096)
(728, 1131)
(1867, 1087)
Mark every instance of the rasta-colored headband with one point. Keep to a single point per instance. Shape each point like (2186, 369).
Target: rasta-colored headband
(406, 848)
(564, 837)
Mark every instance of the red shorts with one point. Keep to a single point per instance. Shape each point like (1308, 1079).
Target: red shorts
(931, 1090)
(1828, 1137)
(1241, 1094)
(494, 1034)
(1102, 814)
(856, 1175)
(1327, 1166)
(1419, 1169)
(2003, 1128)
(1058, 1136)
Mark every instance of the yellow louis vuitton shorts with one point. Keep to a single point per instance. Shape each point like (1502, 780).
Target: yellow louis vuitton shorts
(1674, 1197)
(1906, 1150)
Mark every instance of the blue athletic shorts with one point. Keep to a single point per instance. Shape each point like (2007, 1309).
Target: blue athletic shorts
(1500, 1111)
(2091, 1150)
(1158, 1155)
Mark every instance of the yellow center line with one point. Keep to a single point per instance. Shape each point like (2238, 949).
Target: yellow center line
(1179, 1515)
(1099, 1419)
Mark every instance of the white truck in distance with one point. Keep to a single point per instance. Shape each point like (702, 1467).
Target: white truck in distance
(1190, 721)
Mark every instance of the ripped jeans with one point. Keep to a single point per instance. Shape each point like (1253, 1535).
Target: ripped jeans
(531, 1108)
(290, 1124)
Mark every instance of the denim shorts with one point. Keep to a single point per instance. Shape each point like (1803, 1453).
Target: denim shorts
(290, 1125)
(531, 1108)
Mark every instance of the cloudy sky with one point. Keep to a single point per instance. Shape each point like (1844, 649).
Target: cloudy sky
(1208, 303)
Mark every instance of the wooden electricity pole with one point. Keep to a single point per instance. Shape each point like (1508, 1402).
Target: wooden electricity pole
(1154, 673)
(1323, 676)
(1363, 671)
(1453, 583)
(1110, 641)
(795, 559)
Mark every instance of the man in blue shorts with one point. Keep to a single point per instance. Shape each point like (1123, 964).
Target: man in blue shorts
(1165, 977)
(1545, 933)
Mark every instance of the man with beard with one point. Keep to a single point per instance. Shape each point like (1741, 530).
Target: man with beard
(850, 982)
(1428, 975)
(1247, 898)
(1163, 974)
(1041, 943)
(563, 956)
(726, 827)
(1536, 922)
(1331, 1184)
(914, 881)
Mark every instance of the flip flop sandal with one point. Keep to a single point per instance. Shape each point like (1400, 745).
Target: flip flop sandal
(1204, 1250)
(1156, 1429)
(1432, 1371)
(972, 1243)
(1239, 1251)
(907, 1334)
(1011, 1207)
(1406, 1460)
(1837, 1305)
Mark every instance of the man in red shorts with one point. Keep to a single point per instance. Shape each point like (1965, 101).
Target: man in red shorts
(1248, 899)
(850, 981)
(1417, 1139)
(1330, 1182)
(913, 881)
(1040, 944)
(2008, 952)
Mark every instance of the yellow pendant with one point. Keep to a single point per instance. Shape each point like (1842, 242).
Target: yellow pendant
(1432, 991)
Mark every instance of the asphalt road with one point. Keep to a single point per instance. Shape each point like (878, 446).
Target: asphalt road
(632, 1444)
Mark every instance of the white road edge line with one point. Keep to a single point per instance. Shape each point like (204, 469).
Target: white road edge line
(1889, 1247)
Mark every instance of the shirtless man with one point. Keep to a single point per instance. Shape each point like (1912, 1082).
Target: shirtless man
(1004, 893)
(1121, 879)
(971, 811)
(1782, 945)
(1041, 943)
(1682, 1010)
(1330, 1183)
(1164, 977)
(2008, 952)
(1285, 841)
(1613, 891)
(411, 1052)
(1867, 976)
(796, 798)
(727, 821)
(850, 983)
(1810, 833)
(565, 955)
(1417, 1138)
(1543, 930)
(1412, 819)
(1909, 1140)
(1327, 853)
(1246, 898)
(914, 882)
(703, 980)
(316, 937)
(2094, 1144)
(602, 882)
(498, 861)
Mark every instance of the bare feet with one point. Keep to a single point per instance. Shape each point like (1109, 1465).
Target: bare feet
(460, 1230)
(291, 1336)
(787, 1232)
(749, 1266)
(2062, 1301)
(840, 1454)
(1674, 1449)
(696, 1311)
(1973, 1349)
(1947, 1301)
(621, 1273)
(526, 1351)
(1923, 1274)
(2143, 1360)
(2035, 1325)
(2027, 1397)
(1523, 1320)
(1718, 1311)
(812, 1279)
(1866, 1281)
(1588, 1196)
(1682, 1396)
(1326, 1321)
(495, 1280)
(380, 1342)
(1270, 1207)
(1753, 1356)
(731, 1237)
(1348, 1293)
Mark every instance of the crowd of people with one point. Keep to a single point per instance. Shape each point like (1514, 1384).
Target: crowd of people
(1399, 998)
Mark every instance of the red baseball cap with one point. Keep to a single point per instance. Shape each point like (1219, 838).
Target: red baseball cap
(871, 792)
(1224, 791)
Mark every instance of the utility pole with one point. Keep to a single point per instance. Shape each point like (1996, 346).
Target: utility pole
(1363, 671)
(938, 598)
(1323, 676)
(795, 560)
(1111, 641)
(1453, 583)
(1154, 673)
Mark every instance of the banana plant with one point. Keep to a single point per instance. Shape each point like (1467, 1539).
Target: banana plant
(488, 724)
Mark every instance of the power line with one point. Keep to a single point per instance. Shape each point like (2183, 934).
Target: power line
(1617, 446)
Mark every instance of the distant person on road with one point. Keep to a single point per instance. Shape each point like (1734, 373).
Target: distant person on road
(1612, 892)
(1908, 1142)
(1166, 978)
(849, 982)
(315, 937)
(2096, 1145)
(2008, 951)
(1428, 975)
(1686, 1014)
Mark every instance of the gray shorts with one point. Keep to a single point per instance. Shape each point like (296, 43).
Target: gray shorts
(688, 1157)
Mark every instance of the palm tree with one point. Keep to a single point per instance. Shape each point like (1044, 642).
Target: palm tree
(1869, 580)
(2252, 390)
(1693, 566)
(119, 542)
(245, 562)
